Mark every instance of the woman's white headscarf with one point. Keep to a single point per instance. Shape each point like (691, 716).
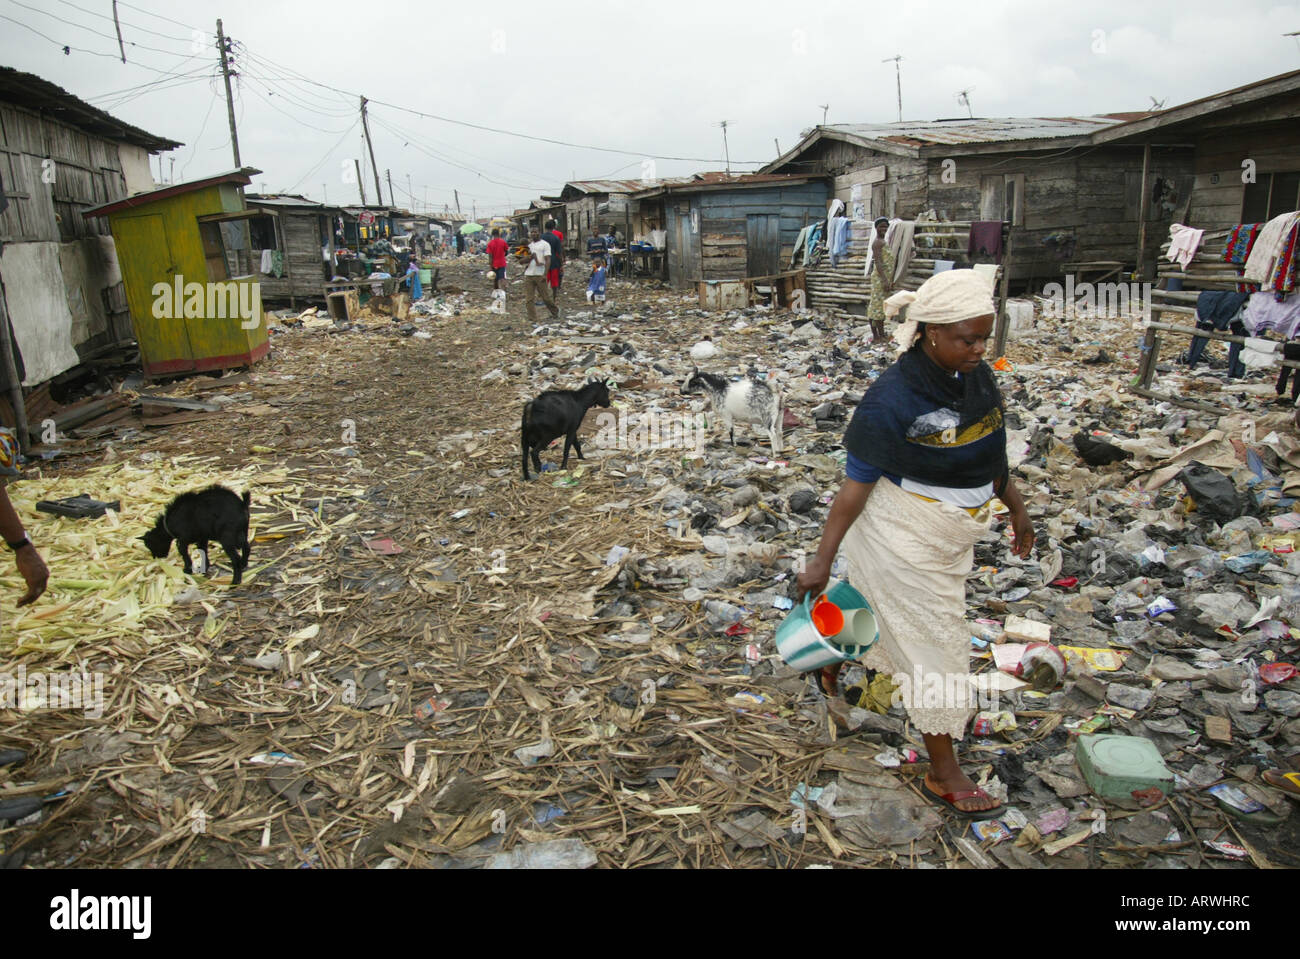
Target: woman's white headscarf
(948, 297)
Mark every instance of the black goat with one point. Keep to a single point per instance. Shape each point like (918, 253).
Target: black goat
(557, 413)
(212, 514)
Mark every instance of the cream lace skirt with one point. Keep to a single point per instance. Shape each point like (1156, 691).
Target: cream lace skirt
(910, 558)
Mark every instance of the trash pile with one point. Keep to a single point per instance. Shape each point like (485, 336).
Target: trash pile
(464, 670)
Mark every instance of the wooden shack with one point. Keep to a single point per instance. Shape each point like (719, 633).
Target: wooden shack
(302, 233)
(728, 227)
(1245, 146)
(62, 303)
(1068, 199)
(190, 276)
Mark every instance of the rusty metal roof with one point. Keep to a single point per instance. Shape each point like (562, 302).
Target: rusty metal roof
(980, 129)
(30, 91)
(711, 181)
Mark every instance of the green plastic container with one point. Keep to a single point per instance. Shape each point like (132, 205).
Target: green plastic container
(1115, 767)
(803, 648)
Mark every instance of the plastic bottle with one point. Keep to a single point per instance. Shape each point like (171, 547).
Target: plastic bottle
(722, 614)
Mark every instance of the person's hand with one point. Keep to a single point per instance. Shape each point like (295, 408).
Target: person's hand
(34, 572)
(1022, 528)
(813, 579)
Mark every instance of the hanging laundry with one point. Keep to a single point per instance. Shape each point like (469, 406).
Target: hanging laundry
(277, 263)
(1183, 243)
(1286, 268)
(1268, 247)
(900, 243)
(1264, 312)
(1240, 241)
(839, 239)
(985, 239)
(266, 262)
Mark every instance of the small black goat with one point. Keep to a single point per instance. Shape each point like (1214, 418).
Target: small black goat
(214, 514)
(557, 413)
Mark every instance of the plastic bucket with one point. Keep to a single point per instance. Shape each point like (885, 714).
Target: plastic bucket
(804, 638)
(426, 277)
(860, 627)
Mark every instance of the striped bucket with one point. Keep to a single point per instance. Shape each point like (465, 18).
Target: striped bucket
(805, 646)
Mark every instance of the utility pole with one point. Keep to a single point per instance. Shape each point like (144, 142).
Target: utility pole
(392, 197)
(223, 46)
(365, 125)
(456, 194)
(898, 72)
(361, 184)
(409, 195)
(778, 145)
(326, 188)
(120, 49)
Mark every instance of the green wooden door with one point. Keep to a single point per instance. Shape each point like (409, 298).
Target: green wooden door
(146, 260)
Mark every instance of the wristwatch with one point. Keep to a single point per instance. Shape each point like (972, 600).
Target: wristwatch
(16, 546)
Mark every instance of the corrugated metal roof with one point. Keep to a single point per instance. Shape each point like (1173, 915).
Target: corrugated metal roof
(285, 200)
(981, 129)
(705, 181)
(30, 91)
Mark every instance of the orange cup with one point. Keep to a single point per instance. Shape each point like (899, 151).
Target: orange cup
(827, 617)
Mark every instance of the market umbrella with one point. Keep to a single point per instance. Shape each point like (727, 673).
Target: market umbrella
(471, 228)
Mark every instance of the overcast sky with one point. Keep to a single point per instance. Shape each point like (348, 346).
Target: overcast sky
(642, 77)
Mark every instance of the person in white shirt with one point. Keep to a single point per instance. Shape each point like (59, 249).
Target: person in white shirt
(535, 284)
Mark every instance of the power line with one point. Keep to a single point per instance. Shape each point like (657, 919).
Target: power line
(82, 26)
(197, 74)
(330, 153)
(423, 149)
(166, 84)
(253, 90)
(158, 16)
(133, 26)
(393, 128)
(66, 47)
(524, 136)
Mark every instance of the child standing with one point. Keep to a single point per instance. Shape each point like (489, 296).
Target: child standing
(596, 285)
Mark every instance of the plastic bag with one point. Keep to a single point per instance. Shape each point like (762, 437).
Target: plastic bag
(1214, 494)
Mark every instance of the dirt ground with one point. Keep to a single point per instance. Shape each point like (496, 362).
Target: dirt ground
(407, 683)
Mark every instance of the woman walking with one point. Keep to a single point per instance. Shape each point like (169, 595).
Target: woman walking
(926, 456)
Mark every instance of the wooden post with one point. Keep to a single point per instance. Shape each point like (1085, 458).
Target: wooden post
(288, 270)
(1144, 207)
(11, 370)
(1000, 336)
(627, 241)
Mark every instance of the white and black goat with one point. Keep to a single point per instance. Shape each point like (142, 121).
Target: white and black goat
(211, 515)
(557, 413)
(747, 401)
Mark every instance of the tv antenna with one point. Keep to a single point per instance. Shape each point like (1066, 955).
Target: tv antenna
(963, 97)
(1156, 104)
(825, 107)
(898, 72)
(726, 151)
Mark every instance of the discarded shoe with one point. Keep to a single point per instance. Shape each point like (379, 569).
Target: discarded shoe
(12, 810)
(78, 507)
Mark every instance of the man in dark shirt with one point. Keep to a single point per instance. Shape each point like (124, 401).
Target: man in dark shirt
(556, 241)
